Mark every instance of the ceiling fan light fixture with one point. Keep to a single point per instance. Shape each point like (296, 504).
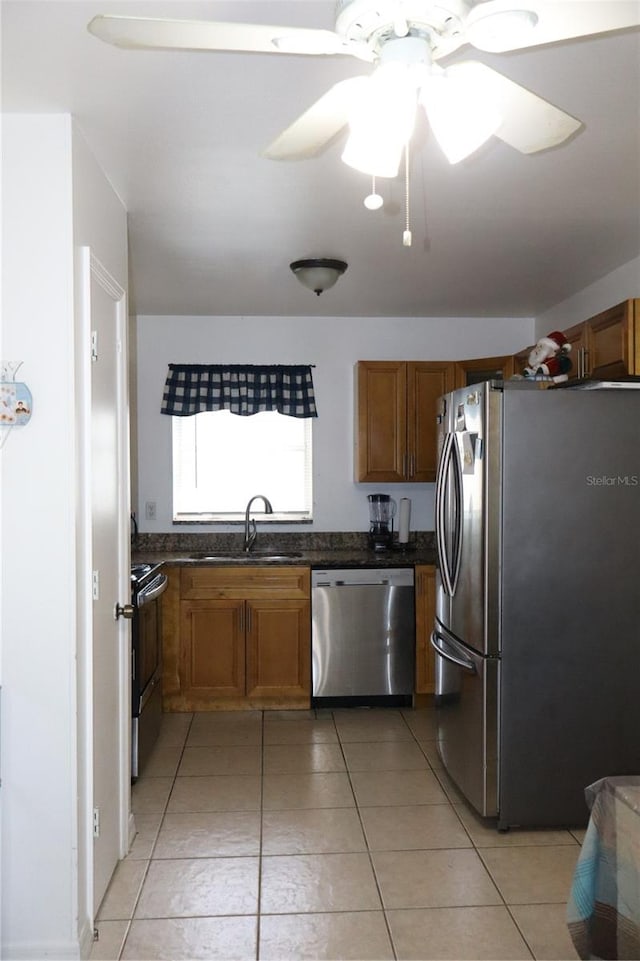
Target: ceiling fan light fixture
(461, 119)
(500, 30)
(381, 121)
(373, 154)
(318, 273)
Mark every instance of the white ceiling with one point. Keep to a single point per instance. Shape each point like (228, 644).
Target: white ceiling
(213, 226)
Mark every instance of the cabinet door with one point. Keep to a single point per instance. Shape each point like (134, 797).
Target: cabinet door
(521, 360)
(381, 427)
(426, 381)
(577, 336)
(479, 369)
(425, 585)
(611, 336)
(278, 649)
(213, 649)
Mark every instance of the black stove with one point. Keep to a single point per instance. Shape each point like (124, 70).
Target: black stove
(148, 583)
(141, 573)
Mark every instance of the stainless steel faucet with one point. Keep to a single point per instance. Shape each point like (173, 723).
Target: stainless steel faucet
(250, 531)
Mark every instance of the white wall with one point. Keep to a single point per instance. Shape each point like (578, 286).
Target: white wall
(41, 745)
(620, 284)
(38, 546)
(333, 345)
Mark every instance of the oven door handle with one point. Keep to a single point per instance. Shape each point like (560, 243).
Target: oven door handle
(148, 594)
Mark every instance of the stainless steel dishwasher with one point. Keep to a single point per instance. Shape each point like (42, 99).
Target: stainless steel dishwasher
(363, 634)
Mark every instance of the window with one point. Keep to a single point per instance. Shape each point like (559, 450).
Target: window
(221, 460)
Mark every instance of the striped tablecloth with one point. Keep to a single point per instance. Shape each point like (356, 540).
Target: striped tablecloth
(603, 913)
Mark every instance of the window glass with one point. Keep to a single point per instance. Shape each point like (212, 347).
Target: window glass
(221, 460)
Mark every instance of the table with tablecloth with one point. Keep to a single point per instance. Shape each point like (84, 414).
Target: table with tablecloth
(603, 913)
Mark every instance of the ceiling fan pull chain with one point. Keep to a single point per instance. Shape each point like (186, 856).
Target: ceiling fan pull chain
(406, 237)
(373, 201)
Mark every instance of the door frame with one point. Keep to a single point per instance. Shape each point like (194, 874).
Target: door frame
(88, 269)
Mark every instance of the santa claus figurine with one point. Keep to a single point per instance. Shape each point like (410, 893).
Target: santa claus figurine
(549, 358)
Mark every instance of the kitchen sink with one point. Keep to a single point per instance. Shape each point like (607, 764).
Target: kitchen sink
(266, 555)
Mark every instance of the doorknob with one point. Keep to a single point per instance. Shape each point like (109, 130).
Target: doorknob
(125, 610)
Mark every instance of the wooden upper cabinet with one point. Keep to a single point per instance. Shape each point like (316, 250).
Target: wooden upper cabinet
(606, 346)
(612, 341)
(381, 427)
(521, 360)
(577, 336)
(426, 381)
(396, 399)
(396, 411)
(479, 369)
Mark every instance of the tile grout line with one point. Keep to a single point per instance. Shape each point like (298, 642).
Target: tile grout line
(366, 841)
(155, 841)
(474, 846)
(260, 837)
(478, 852)
(360, 809)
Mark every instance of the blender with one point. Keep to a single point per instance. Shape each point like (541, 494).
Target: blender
(382, 510)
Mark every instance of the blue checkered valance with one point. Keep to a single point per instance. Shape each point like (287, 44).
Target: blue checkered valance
(243, 389)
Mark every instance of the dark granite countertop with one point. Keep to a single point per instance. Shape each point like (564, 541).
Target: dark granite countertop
(321, 559)
(333, 550)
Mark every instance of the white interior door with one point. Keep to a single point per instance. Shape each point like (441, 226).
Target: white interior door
(110, 577)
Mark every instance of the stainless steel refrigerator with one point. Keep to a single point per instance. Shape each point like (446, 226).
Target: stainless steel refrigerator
(537, 631)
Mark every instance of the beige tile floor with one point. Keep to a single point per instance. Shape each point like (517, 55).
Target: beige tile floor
(325, 835)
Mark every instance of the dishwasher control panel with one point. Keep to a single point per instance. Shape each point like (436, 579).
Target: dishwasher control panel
(363, 576)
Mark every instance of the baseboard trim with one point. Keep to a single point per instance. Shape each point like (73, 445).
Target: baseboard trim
(86, 939)
(132, 831)
(36, 951)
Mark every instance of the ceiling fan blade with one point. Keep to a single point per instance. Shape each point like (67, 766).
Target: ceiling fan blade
(155, 34)
(318, 125)
(500, 25)
(529, 123)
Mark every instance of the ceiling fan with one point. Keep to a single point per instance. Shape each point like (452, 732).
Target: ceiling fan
(465, 103)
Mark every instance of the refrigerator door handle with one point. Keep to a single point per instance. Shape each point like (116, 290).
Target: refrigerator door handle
(449, 565)
(440, 515)
(457, 534)
(438, 642)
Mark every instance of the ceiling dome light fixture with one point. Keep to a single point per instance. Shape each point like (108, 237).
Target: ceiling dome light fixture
(319, 273)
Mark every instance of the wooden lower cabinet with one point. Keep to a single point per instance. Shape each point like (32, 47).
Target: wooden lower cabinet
(243, 639)
(278, 650)
(212, 648)
(425, 587)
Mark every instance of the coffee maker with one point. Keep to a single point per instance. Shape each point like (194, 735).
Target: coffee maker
(382, 510)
